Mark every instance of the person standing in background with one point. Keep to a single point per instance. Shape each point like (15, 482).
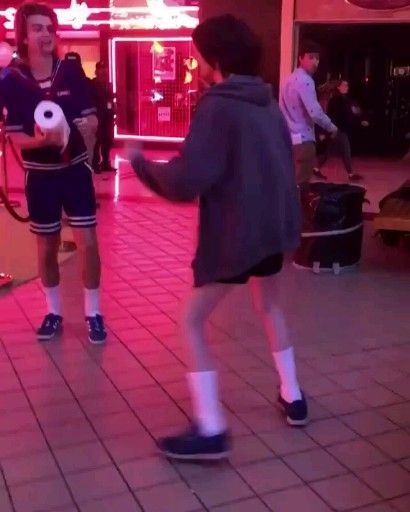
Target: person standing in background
(104, 100)
(302, 111)
(342, 112)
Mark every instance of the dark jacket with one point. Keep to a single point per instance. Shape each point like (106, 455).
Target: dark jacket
(238, 159)
(340, 112)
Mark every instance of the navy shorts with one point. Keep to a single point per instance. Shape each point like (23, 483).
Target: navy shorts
(50, 192)
(268, 267)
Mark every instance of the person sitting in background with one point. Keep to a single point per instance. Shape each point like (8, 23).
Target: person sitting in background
(344, 115)
(104, 100)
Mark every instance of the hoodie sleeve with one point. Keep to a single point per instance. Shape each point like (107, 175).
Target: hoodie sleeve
(201, 162)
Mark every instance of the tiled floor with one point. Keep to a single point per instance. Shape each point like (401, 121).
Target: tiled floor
(381, 176)
(78, 422)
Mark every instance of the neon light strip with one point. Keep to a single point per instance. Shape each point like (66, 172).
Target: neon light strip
(78, 15)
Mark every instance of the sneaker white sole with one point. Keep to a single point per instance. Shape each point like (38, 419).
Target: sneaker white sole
(198, 456)
(45, 337)
(290, 421)
(94, 342)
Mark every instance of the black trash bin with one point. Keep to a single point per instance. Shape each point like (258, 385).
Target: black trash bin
(332, 232)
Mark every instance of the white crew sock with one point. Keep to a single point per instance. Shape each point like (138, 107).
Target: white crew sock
(92, 301)
(289, 385)
(53, 299)
(207, 407)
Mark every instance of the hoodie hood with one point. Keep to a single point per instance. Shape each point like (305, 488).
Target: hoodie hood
(244, 88)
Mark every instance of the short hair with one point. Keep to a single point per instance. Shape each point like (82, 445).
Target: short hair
(308, 46)
(229, 43)
(20, 23)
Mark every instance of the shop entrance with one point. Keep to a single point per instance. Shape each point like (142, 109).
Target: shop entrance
(375, 59)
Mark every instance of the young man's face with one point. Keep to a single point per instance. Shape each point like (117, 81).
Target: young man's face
(344, 87)
(310, 62)
(41, 35)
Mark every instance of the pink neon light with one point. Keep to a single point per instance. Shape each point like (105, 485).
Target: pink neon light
(155, 15)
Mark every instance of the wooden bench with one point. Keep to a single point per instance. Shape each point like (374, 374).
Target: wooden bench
(393, 219)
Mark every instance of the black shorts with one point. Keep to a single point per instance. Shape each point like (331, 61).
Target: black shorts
(268, 267)
(50, 192)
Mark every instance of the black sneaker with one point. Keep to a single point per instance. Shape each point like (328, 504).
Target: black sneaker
(319, 175)
(296, 412)
(96, 330)
(191, 445)
(51, 326)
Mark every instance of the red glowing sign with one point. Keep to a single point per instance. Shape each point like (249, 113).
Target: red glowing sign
(384, 5)
(155, 15)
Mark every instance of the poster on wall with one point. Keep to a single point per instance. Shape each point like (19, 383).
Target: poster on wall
(164, 114)
(164, 63)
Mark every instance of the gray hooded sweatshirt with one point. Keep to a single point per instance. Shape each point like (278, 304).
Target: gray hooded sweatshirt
(237, 158)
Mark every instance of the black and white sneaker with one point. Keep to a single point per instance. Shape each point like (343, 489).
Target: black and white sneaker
(191, 445)
(296, 412)
(96, 330)
(51, 326)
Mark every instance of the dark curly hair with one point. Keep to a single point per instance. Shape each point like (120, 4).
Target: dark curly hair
(230, 44)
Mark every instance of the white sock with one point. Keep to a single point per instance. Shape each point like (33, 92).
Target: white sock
(92, 301)
(207, 407)
(53, 299)
(289, 385)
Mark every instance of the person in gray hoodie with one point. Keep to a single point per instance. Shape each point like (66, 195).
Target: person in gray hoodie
(237, 158)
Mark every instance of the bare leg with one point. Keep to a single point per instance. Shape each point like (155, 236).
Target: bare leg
(203, 379)
(197, 308)
(47, 249)
(87, 244)
(264, 291)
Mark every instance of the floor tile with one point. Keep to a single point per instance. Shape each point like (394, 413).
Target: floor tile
(5, 503)
(249, 449)
(220, 488)
(330, 431)
(148, 472)
(377, 396)
(389, 480)
(28, 468)
(399, 414)
(98, 483)
(129, 447)
(254, 505)
(119, 503)
(402, 504)
(368, 423)
(345, 492)
(268, 476)
(314, 465)
(396, 444)
(22, 443)
(39, 496)
(82, 457)
(70, 434)
(298, 498)
(380, 507)
(159, 498)
(358, 454)
(286, 441)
